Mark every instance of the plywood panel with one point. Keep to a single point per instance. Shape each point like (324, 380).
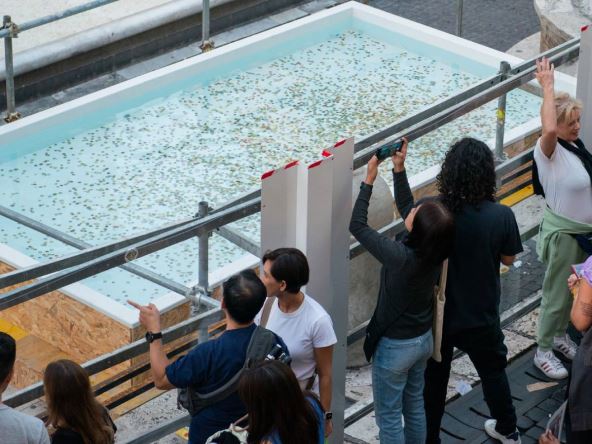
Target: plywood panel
(69, 325)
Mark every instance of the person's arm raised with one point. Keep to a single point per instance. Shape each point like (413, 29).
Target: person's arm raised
(402, 191)
(545, 75)
(150, 319)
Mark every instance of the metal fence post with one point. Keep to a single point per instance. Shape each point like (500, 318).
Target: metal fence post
(11, 114)
(501, 118)
(203, 250)
(459, 17)
(206, 43)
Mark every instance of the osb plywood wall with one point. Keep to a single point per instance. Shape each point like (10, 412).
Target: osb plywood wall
(59, 326)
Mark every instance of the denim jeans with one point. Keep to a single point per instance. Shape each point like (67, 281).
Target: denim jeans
(397, 382)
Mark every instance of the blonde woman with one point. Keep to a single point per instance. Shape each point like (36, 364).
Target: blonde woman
(564, 170)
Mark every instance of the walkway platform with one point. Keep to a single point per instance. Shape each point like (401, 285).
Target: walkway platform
(534, 401)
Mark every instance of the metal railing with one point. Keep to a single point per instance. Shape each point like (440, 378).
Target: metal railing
(201, 323)
(93, 260)
(11, 30)
(139, 347)
(97, 259)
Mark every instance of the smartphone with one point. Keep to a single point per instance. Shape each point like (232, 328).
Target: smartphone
(388, 150)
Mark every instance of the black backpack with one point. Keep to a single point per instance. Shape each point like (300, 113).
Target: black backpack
(263, 345)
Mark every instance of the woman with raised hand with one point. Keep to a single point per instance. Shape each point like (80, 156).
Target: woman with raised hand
(399, 337)
(73, 411)
(563, 174)
(279, 412)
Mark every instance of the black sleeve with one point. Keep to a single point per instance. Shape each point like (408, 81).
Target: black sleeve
(65, 436)
(512, 243)
(402, 191)
(386, 250)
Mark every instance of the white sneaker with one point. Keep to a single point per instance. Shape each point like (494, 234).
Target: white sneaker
(512, 438)
(548, 363)
(565, 346)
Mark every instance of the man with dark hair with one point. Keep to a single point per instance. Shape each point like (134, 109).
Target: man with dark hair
(15, 427)
(212, 364)
(486, 234)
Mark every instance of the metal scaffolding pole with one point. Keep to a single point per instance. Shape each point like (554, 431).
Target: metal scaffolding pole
(10, 30)
(206, 43)
(501, 117)
(459, 17)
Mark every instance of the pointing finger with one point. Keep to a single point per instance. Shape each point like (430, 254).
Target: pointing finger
(134, 304)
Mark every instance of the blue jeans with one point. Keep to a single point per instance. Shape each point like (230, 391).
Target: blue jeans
(397, 382)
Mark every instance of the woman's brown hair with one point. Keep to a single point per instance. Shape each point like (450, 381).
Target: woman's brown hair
(71, 403)
(275, 402)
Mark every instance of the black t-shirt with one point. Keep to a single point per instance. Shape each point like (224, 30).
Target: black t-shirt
(66, 436)
(483, 234)
(69, 436)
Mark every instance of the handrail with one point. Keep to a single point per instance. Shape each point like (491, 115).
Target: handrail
(123, 255)
(35, 23)
(124, 353)
(79, 244)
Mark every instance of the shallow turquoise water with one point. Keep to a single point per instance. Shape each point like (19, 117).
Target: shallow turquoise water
(211, 141)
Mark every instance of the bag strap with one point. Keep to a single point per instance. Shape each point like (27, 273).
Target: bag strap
(443, 279)
(224, 391)
(266, 310)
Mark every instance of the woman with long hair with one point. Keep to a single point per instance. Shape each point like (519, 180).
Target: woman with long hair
(279, 411)
(78, 418)
(399, 336)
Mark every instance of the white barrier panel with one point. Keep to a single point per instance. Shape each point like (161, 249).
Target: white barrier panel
(584, 85)
(318, 230)
(343, 159)
(279, 208)
(310, 208)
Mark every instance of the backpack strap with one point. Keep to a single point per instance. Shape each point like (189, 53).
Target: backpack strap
(267, 310)
(224, 391)
(443, 276)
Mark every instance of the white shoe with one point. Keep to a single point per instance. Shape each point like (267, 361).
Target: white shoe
(548, 363)
(512, 438)
(565, 346)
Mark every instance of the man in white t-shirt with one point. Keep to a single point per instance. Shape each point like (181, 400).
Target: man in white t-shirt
(300, 321)
(16, 427)
(565, 174)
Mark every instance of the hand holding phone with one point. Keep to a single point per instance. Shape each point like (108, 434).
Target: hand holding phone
(388, 150)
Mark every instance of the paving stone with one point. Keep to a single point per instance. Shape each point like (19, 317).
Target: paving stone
(537, 414)
(495, 24)
(516, 343)
(535, 432)
(549, 405)
(288, 15)
(86, 88)
(318, 5)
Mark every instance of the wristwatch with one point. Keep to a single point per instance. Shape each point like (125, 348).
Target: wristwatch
(150, 337)
(328, 416)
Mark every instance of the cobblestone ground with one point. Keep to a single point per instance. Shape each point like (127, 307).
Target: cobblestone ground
(499, 24)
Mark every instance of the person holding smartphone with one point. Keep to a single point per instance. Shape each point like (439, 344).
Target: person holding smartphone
(399, 336)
